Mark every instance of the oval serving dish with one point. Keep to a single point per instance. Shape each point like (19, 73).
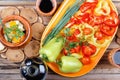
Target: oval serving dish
(94, 60)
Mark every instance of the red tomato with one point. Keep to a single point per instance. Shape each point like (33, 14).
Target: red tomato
(98, 35)
(65, 52)
(86, 17)
(76, 32)
(72, 38)
(72, 50)
(107, 30)
(88, 49)
(75, 49)
(86, 60)
(87, 31)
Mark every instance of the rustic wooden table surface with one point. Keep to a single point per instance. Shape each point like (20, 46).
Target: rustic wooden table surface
(103, 71)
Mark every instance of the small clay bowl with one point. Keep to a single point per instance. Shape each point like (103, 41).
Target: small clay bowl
(27, 27)
(111, 57)
(38, 4)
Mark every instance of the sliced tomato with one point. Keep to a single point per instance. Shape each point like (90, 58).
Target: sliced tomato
(72, 38)
(75, 49)
(76, 32)
(86, 60)
(87, 6)
(107, 30)
(88, 49)
(65, 52)
(87, 31)
(98, 35)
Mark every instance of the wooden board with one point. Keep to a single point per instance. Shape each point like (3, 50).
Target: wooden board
(103, 71)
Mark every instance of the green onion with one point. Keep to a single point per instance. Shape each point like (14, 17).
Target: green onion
(63, 21)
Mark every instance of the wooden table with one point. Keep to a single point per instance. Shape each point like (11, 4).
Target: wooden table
(103, 71)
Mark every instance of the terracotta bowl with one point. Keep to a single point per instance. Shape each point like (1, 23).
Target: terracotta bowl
(54, 4)
(27, 27)
(111, 57)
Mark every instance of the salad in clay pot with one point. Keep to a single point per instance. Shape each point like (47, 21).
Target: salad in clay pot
(15, 31)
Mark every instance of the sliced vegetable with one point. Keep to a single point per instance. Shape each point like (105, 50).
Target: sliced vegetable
(86, 60)
(87, 31)
(98, 35)
(102, 8)
(87, 6)
(112, 20)
(88, 49)
(107, 30)
(63, 21)
(69, 64)
(52, 49)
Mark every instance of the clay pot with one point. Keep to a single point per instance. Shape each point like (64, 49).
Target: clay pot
(27, 27)
(111, 57)
(41, 12)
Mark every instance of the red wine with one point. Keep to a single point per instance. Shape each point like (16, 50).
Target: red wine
(33, 69)
(116, 58)
(46, 6)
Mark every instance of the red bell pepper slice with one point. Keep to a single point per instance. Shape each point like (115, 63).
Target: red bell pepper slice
(112, 20)
(107, 30)
(87, 5)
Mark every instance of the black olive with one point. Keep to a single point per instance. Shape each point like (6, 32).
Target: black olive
(33, 69)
